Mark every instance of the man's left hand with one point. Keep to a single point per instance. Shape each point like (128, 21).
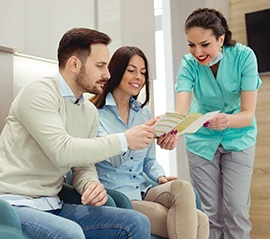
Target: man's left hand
(95, 194)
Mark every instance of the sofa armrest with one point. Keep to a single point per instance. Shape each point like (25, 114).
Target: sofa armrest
(9, 216)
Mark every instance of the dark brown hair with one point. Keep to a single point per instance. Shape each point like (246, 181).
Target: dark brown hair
(77, 42)
(208, 18)
(117, 67)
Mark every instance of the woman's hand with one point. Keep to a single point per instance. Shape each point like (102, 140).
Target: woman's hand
(218, 122)
(164, 179)
(168, 141)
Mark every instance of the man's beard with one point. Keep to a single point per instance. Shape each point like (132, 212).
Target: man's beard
(85, 85)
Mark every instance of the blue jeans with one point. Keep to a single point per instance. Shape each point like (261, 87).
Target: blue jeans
(81, 221)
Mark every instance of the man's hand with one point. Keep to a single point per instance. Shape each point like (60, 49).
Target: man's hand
(95, 194)
(140, 136)
(152, 121)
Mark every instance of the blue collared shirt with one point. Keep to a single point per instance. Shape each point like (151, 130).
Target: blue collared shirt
(66, 92)
(125, 172)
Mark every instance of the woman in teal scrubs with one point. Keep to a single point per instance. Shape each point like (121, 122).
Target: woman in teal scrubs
(221, 75)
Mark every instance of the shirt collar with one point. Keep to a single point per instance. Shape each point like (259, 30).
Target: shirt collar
(134, 104)
(66, 92)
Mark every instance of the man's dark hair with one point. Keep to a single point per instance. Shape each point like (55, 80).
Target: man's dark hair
(77, 42)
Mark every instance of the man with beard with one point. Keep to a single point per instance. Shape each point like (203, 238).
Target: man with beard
(51, 129)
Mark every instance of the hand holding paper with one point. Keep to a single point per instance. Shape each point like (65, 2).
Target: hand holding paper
(184, 124)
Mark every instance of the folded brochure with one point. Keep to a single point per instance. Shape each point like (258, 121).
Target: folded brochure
(185, 124)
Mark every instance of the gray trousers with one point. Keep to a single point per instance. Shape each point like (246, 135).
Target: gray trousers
(224, 187)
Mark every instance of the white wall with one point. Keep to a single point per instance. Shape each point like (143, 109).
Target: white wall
(6, 85)
(26, 70)
(11, 25)
(129, 22)
(45, 21)
(35, 28)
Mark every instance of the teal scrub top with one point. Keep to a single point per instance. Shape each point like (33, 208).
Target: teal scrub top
(237, 72)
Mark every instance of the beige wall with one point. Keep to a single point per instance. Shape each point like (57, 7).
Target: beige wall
(6, 85)
(260, 187)
(35, 28)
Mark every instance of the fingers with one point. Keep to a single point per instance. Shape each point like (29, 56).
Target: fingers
(168, 141)
(152, 121)
(139, 137)
(163, 179)
(147, 134)
(170, 178)
(219, 122)
(95, 194)
(147, 138)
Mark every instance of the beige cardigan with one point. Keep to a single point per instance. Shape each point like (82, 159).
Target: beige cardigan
(44, 136)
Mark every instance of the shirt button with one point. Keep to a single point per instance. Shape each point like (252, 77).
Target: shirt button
(130, 170)
(134, 176)
(137, 187)
(131, 158)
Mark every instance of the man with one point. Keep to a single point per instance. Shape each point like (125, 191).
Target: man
(51, 129)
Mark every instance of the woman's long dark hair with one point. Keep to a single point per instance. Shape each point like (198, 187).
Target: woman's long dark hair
(117, 67)
(208, 18)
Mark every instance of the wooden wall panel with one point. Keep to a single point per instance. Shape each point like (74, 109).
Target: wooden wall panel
(260, 186)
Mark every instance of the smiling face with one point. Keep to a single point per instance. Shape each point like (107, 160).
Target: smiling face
(203, 45)
(94, 73)
(134, 77)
